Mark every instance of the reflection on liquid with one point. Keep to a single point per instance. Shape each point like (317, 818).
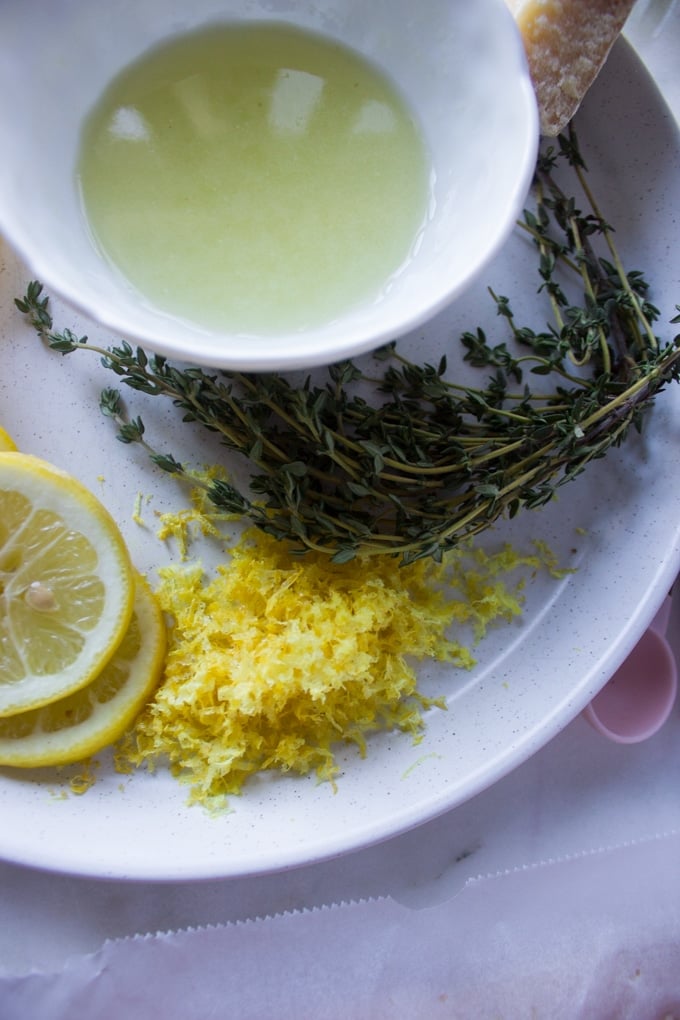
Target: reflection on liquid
(128, 124)
(374, 118)
(205, 116)
(295, 96)
(292, 101)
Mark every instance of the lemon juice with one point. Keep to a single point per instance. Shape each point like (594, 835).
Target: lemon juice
(254, 177)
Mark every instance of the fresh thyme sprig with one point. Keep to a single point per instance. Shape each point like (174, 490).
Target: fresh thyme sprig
(431, 461)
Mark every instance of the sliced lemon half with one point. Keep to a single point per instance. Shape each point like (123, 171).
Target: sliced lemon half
(66, 584)
(79, 725)
(6, 442)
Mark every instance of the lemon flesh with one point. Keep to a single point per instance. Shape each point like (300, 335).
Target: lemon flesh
(66, 584)
(6, 442)
(84, 722)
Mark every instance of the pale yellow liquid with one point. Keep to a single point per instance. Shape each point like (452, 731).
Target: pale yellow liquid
(254, 177)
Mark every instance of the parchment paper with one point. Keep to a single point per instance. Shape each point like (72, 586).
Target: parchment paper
(594, 936)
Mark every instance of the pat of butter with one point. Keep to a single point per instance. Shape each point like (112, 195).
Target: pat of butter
(567, 43)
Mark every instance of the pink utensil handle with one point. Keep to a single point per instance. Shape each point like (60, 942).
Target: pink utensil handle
(638, 699)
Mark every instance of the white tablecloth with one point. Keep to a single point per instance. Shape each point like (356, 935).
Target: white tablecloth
(557, 890)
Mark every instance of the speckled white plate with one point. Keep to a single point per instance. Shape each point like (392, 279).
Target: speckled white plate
(619, 524)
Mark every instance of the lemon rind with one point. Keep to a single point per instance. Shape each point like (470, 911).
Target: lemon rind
(109, 721)
(7, 444)
(54, 489)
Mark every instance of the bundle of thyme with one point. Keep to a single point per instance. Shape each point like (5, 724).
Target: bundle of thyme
(430, 461)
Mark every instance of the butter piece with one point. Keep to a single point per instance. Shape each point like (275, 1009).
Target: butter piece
(567, 43)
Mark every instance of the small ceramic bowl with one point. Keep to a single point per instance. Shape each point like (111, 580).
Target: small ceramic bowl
(458, 65)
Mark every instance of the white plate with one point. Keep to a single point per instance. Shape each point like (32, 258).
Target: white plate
(619, 523)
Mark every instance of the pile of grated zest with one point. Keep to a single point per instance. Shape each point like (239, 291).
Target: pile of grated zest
(279, 658)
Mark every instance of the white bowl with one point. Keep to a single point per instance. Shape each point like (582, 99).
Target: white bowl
(459, 66)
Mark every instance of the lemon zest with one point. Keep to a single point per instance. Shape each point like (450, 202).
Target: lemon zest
(85, 779)
(277, 660)
(198, 520)
(137, 511)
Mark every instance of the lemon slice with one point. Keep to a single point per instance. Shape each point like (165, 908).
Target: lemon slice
(80, 724)
(6, 441)
(66, 584)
